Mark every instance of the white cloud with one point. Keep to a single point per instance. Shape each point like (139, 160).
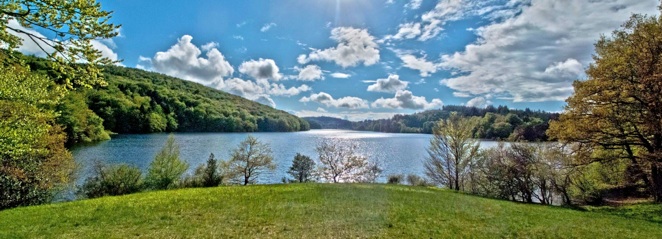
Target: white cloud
(351, 115)
(184, 60)
(267, 27)
(355, 46)
(432, 22)
(420, 64)
(404, 99)
(261, 69)
(391, 84)
(326, 99)
(340, 75)
(259, 90)
(209, 46)
(320, 109)
(408, 31)
(310, 73)
(531, 56)
(414, 4)
(238, 37)
(461, 94)
(480, 102)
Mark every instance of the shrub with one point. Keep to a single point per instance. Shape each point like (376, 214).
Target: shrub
(396, 179)
(415, 180)
(167, 169)
(112, 180)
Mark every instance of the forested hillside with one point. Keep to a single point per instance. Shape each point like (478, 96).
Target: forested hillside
(138, 101)
(495, 122)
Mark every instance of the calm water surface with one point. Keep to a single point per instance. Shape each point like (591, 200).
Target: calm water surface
(396, 153)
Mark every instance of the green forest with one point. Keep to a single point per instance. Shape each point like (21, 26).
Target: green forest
(498, 123)
(138, 101)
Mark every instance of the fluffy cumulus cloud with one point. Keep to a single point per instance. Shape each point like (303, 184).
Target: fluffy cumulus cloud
(259, 90)
(480, 102)
(310, 73)
(404, 99)
(355, 46)
(420, 64)
(185, 60)
(326, 99)
(391, 84)
(533, 57)
(261, 69)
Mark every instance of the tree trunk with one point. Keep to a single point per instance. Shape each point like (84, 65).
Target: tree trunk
(656, 176)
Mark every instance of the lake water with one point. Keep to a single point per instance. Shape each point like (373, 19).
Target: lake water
(396, 153)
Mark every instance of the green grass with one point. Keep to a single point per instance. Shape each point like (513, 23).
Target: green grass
(312, 211)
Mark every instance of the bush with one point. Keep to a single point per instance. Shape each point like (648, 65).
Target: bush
(396, 179)
(112, 180)
(206, 175)
(415, 180)
(167, 169)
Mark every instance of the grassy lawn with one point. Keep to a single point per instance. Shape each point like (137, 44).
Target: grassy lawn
(314, 210)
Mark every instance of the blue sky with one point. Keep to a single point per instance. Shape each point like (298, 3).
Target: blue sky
(360, 59)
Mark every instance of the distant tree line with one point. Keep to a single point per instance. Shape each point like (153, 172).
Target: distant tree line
(498, 123)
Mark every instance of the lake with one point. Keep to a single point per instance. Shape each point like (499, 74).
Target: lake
(396, 153)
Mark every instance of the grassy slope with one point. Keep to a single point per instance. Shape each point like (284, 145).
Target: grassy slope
(313, 210)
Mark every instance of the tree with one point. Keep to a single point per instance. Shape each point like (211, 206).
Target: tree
(112, 180)
(617, 110)
(167, 168)
(340, 163)
(451, 148)
(73, 25)
(249, 160)
(33, 159)
(211, 177)
(302, 168)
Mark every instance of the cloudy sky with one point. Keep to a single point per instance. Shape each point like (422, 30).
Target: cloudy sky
(361, 59)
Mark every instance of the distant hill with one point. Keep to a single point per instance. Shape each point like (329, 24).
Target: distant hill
(138, 101)
(324, 122)
(496, 122)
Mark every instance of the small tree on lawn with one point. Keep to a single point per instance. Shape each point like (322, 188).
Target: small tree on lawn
(451, 149)
(340, 163)
(302, 168)
(249, 160)
(167, 168)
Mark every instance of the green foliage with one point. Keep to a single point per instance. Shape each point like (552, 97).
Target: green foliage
(249, 160)
(112, 180)
(34, 160)
(167, 168)
(80, 123)
(75, 24)
(618, 108)
(302, 168)
(495, 123)
(451, 149)
(206, 175)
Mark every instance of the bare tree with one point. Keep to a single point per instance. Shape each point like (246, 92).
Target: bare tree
(340, 163)
(249, 160)
(451, 149)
